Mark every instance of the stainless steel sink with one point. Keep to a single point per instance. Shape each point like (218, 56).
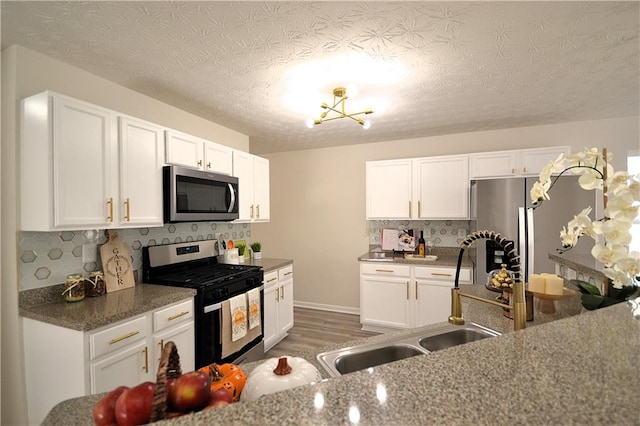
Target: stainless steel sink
(356, 361)
(366, 355)
(452, 338)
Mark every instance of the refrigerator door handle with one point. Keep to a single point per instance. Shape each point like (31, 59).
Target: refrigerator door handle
(522, 243)
(530, 243)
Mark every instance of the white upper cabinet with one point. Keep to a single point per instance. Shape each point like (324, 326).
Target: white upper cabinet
(196, 153)
(419, 188)
(442, 185)
(77, 171)
(66, 164)
(141, 147)
(253, 186)
(517, 163)
(389, 189)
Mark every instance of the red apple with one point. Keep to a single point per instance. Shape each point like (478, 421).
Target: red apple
(134, 405)
(218, 395)
(104, 412)
(191, 391)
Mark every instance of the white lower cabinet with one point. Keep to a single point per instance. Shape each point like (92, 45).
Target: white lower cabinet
(397, 296)
(384, 295)
(61, 363)
(278, 305)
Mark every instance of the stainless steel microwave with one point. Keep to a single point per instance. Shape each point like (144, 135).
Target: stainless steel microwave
(197, 196)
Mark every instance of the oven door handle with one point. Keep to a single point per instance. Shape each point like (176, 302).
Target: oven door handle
(218, 306)
(211, 308)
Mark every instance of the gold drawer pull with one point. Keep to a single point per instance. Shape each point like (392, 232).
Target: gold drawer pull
(145, 351)
(181, 314)
(271, 280)
(440, 274)
(110, 203)
(199, 163)
(121, 338)
(209, 165)
(385, 270)
(127, 216)
(288, 273)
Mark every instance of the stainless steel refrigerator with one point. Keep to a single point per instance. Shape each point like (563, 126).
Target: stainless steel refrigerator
(504, 206)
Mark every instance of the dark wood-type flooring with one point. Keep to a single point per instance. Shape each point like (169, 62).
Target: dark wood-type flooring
(313, 328)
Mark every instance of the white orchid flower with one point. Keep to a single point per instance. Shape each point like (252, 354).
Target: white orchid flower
(616, 232)
(539, 191)
(612, 234)
(608, 255)
(590, 179)
(619, 279)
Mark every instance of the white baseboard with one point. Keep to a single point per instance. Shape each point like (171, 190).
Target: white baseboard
(330, 308)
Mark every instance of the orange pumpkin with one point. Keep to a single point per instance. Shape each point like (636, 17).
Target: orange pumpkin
(227, 376)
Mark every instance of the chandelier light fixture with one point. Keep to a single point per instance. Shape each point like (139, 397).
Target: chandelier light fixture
(338, 107)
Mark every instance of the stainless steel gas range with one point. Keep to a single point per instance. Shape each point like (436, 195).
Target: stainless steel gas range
(195, 265)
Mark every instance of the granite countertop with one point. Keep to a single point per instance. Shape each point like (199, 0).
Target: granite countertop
(269, 264)
(447, 257)
(48, 305)
(567, 369)
(95, 312)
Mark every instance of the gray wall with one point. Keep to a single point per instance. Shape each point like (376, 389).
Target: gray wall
(318, 197)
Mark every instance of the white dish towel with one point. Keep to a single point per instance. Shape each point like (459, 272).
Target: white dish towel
(254, 308)
(238, 308)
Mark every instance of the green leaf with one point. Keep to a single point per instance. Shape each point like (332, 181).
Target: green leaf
(592, 301)
(585, 287)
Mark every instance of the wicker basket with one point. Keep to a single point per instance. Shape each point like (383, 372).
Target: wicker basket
(169, 368)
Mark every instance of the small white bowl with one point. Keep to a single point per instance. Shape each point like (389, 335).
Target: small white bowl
(431, 257)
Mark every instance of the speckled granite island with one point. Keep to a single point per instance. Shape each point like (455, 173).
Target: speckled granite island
(568, 368)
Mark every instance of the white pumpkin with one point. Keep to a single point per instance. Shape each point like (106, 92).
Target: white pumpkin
(272, 376)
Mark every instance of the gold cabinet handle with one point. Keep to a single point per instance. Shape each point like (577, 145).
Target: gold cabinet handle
(277, 295)
(416, 290)
(161, 344)
(524, 170)
(282, 292)
(251, 211)
(257, 211)
(419, 209)
(440, 274)
(199, 163)
(145, 351)
(121, 338)
(409, 208)
(513, 171)
(407, 290)
(271, 280)
(384, 270)
(181, 314)
(127, 215)
(209, 165)
(288, 273)
(110, 204)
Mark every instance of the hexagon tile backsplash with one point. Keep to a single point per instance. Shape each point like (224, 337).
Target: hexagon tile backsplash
(443, 233)
(46, 258)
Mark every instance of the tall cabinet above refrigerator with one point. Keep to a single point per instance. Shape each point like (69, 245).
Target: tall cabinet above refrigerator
(504, 206)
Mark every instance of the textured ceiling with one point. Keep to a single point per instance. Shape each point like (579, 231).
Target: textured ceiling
(469, 66)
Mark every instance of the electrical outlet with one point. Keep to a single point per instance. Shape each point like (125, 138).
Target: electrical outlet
(89, 253)
(462, 233)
